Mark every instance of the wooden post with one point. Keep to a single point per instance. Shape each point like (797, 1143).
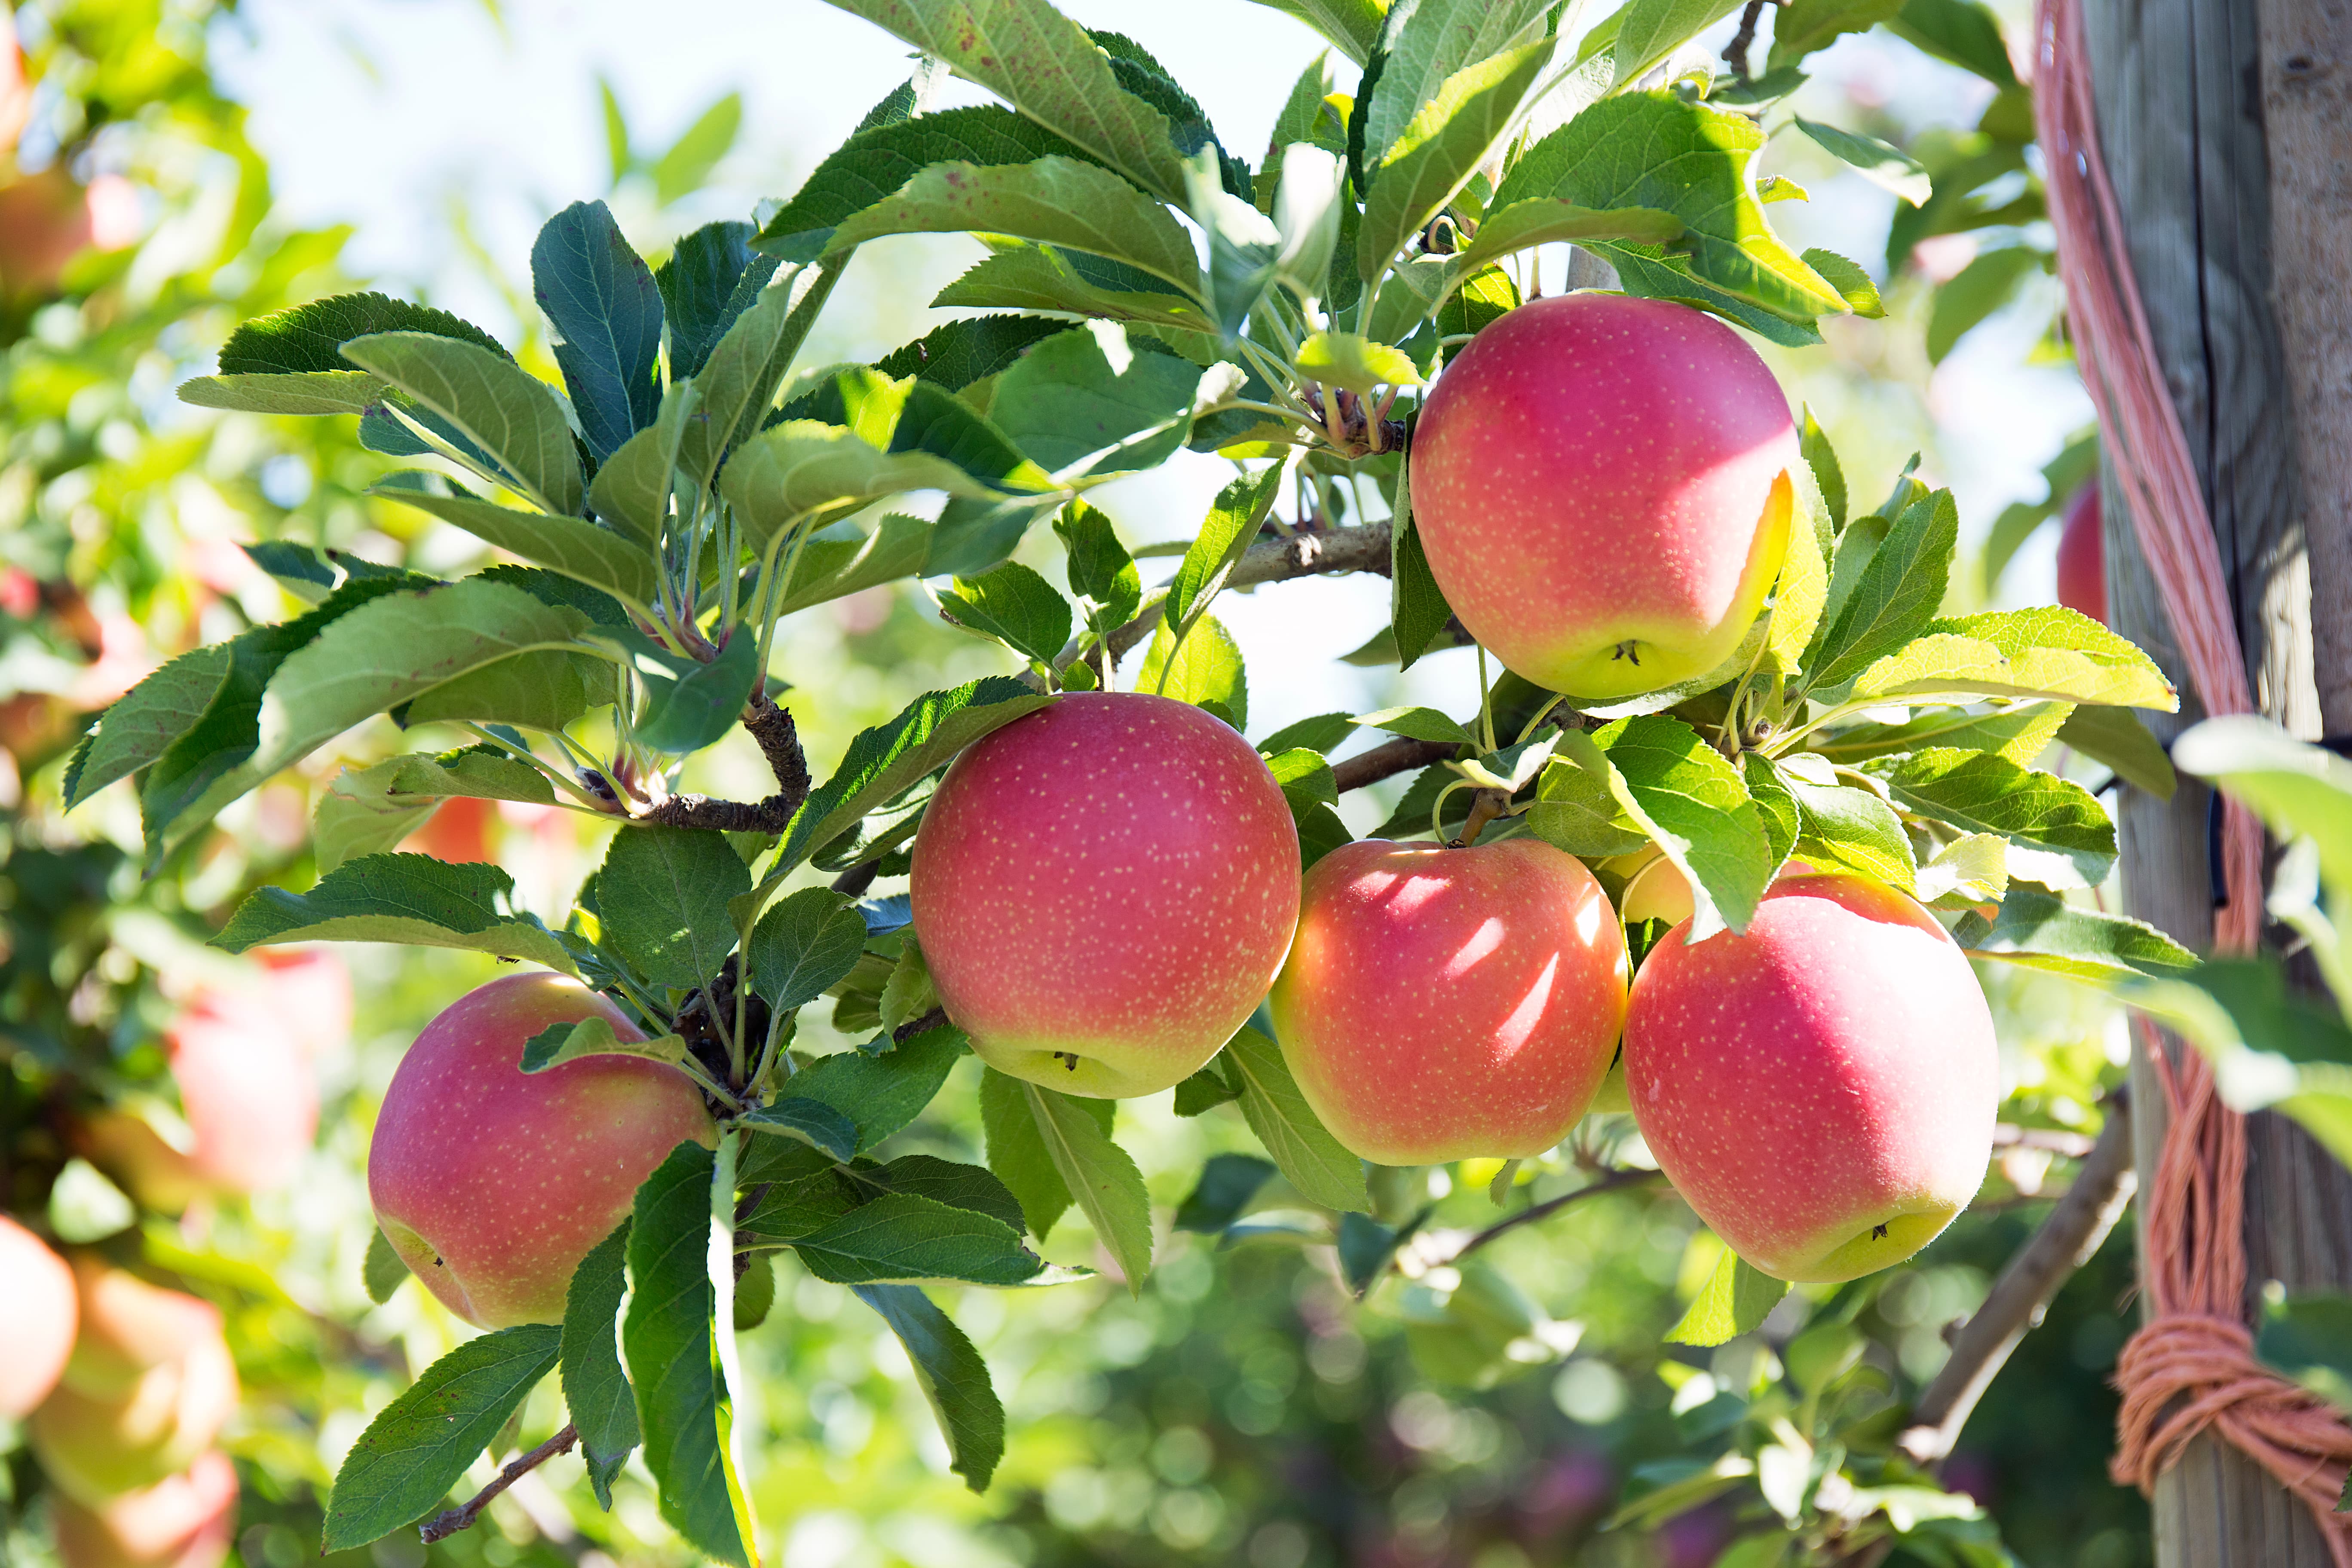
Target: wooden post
(2179, 84)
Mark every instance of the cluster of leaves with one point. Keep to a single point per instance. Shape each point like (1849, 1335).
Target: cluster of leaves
(684, 491)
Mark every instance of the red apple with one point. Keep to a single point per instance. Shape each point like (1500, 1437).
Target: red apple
(1821, 1089)
(459, 832)
(1599, 482)
(2082, 556)
(38, 1314)
(247, 1087)
(1103, 891)
(183, 1521)
(148, 1387)
(492, 1183)
(1441, 1004)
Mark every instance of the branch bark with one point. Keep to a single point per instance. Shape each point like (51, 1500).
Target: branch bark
(449, 1522)
(2072, 1233)
(1387, 760)
(1364, 549)
(1462, 1245)
(779, 741)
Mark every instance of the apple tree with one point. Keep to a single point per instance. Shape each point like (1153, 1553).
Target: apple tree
(1734, 792)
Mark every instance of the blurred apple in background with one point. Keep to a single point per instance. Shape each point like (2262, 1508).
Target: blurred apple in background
(148, 1387)
(183, 1521)
(37, 1317)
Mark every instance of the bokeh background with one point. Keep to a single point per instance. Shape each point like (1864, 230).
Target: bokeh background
(179, 165)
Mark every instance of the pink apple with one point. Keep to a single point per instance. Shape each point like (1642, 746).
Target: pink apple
(148, 1387)
(2082, 556)
(1599, 482)
(1103, 891)
(247, 1087)
(1822, 1090)
(38, 1314)
(492, 1183)
(182, 1521)
(1441, 1004)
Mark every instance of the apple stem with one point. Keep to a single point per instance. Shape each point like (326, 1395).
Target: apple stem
(449, 1522)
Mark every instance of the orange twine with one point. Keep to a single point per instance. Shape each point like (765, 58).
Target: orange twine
(2192, 1366)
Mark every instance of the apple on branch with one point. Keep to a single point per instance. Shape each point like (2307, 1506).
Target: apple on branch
(492, 1183)
(1444, 1002)
(1601, 485)
(1821, 1089)
(1103, 889)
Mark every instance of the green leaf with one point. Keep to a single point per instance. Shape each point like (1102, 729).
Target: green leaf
(1101, 572)
(1231, 526)
(2058, 834)
(803, 946)
(597, 1393)
(1776, 807)
(662, 894)
(668, 1337)
(576, 548)
(1053, 201)
(1102, 1180)
(1355, 364)
(1085, 403)
(1418, 613)
(954, 356)
(1440, 149)
(1650, 30)
(1854, 830)
(593, 1036)
(1736, 1299)
(2022, 734)
(882, 1094)
(1306, 781)
(503, 410)
(735, 388)
(311, 392)
(2042, 930)
(309, 339)
(1017, 1154)
(2046, 652)
(1963, 32)
(1418, 725)
(1308, 205)
(1227, 1183)
(144, 721)
(2118, 738)
(1975, 292)
(1894, 597)
(481, 772)
(1204, 1092)
(883, 761)
(410, 899)
(631, 492)
(420, 1446)
(1437, 38)
(1577, 810)
(1971, 869)
(1303, 1149)
(1655, 150)
(1681, 792)
(682, 170)
(1823, 458)
(1804, 27)
(835, 568)
(2299, 790)
(952, 1377)
(1881, 163)
(875, 162)
(811, 1122)
(1353, 24)
(1205, 668)
(356, 815)
(708, 282)
(945, 1180)
(1801, 591)
(1243, 243)
(1046, 66)
(1853, 284)
(800, 471)
(606, 312)
(900, 1238)
(383, 1270)
(1022, 277)
(690, 704)
(1546, 220)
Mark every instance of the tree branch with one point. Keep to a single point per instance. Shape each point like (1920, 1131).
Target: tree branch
(1387, 760)
(449, 1522)
(2066, 1240)
(1364, 549)
(780, 742)
(1462, 1244)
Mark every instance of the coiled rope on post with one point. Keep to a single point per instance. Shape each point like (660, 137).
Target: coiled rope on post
(2190, 1367)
